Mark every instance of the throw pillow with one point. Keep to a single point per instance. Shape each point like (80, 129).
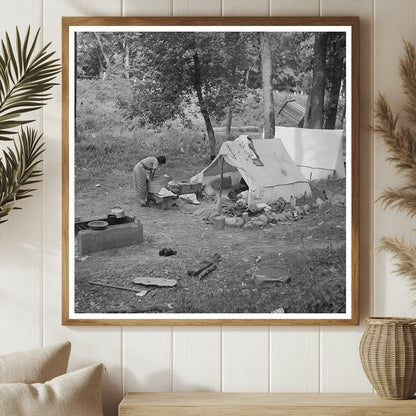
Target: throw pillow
(35, 366)
(73, 394)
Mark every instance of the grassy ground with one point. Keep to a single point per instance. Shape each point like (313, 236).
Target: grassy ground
(312, 249)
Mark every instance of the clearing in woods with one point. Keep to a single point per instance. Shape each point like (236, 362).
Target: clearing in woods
(312, 249)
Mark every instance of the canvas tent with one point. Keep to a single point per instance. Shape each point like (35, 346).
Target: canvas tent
(265, 165)
(317, 153)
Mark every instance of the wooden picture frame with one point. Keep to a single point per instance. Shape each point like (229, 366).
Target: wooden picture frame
(82, 294)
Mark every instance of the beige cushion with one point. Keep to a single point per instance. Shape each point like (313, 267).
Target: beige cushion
(35, 366)
(73, 394)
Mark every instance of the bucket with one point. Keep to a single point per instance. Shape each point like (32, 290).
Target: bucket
(118, 212)
(165, 180)
(219, 222)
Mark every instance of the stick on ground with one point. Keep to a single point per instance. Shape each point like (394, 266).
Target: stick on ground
(115, 287)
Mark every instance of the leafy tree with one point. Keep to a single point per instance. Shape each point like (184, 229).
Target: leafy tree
(179, 66)
(106, 54)
(292, 55)
(171, 71)
(90, 58)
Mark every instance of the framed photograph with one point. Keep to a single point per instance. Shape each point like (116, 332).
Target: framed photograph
(210, 171)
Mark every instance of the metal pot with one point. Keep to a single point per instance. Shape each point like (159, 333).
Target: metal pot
(118, 212)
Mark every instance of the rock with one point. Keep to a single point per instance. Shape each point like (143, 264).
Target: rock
(272, 217)
(262, 219)
(288, 214)
(257, 223)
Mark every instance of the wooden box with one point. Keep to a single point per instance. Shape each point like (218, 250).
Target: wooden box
(189, 188)
(162, 202)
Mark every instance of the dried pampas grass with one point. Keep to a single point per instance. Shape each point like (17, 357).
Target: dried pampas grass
(401, 143)
(405, 254)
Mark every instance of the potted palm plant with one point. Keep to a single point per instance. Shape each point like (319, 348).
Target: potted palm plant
(26, 78)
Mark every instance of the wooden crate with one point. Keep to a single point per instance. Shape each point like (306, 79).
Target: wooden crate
(189, 188)
(162, 202)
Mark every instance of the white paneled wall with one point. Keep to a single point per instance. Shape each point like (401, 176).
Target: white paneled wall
(303, 359)
(22, 238)
(390, 294)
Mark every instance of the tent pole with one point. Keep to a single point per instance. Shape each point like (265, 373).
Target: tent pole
(219, 206)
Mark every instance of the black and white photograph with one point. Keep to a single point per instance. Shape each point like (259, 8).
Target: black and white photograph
(210, 173)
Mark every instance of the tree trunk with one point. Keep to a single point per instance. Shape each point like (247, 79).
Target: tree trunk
(203, 107)
(335, 76)
(101, 70)
(229, 121)
(316, 119)
(106, 58)
(332, 104)
(266, 71)
(307, 116)
(127, 61)
(342, 118)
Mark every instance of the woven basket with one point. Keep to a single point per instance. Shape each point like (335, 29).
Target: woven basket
(388, 356)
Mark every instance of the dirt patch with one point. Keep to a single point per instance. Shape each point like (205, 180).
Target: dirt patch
(311, 248)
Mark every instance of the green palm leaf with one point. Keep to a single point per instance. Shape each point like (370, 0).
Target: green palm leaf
(19, 168)
(26, 78)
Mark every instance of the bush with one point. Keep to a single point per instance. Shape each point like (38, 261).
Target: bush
(318, 281)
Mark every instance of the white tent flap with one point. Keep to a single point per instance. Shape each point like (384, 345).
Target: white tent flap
(317, 153)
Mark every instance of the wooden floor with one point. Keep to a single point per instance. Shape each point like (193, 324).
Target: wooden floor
(253, 404)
